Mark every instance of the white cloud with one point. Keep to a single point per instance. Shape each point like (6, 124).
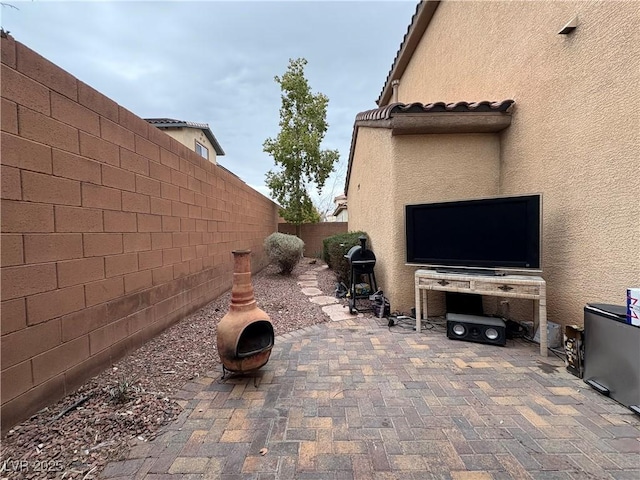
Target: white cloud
(215, 62)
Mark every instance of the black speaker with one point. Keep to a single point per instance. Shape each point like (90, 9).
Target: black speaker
(472, 328)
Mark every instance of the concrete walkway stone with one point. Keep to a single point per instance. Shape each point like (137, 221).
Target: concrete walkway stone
(312, 291)
(323, 300)
(356, 399)
(339, 312)
(308, 276)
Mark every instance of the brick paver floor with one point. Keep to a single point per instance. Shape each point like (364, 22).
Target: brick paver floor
(353, 399)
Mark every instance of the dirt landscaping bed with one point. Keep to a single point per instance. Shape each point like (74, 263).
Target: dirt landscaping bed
(80, 434)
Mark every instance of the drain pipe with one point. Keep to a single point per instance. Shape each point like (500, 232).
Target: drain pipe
(394, 95)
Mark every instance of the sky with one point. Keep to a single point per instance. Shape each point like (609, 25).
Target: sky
(214, 62)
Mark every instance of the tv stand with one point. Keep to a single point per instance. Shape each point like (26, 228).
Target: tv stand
(508, 286)
(464, 271)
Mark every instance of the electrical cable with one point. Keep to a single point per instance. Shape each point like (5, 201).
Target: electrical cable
(408, 324)
(405, 322)
(561, 354)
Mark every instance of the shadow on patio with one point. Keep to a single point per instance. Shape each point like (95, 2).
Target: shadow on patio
(354, 400)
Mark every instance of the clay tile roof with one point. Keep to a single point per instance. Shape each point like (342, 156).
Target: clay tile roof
(388, 111)
(429, 118)
(173, 123)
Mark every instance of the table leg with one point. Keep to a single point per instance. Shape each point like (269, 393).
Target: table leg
(425, 315)
(541, 313)
(418, 322)
(539, 319)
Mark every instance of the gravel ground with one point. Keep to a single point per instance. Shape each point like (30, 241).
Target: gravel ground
(77, 436)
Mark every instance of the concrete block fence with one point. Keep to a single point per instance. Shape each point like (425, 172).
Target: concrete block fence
(312, 234)
(111, 231)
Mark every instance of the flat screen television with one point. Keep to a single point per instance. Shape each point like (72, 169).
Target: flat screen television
(497, 233)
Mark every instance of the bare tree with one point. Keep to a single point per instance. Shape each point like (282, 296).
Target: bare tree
(3, 32)
(325, 202)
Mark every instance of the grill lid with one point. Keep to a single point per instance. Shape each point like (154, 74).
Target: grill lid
(359, 254)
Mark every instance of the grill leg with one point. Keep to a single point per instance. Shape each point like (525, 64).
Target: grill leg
(352, 306)
(352, 292)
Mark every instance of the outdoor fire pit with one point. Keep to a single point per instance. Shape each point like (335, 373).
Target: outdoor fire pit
(245, 334)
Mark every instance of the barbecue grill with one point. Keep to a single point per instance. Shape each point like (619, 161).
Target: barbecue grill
(361, 261)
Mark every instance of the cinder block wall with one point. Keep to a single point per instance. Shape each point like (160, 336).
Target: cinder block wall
(312, 234)
(111, 231)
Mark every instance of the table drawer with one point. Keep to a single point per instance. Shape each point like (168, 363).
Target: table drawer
(509, 288)
(442, 283)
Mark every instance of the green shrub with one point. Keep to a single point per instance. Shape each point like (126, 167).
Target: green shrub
(334, 249)
(284, 250)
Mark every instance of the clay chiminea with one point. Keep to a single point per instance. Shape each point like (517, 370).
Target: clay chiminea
(245, 334)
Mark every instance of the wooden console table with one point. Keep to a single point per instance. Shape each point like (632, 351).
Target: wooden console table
(508, 286)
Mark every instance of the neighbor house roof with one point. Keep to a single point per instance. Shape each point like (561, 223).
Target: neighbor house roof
(341, 204)
(419, 23)
(173, 123)
(339, 208)
(438, 117)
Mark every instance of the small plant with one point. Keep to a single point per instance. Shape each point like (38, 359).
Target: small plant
(284, 250)
(122, 392)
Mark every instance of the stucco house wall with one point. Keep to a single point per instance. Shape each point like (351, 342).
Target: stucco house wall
(189, 136)
(343, 216)
(447, 167)
(573, 137)
(424, 167)
(371, 195)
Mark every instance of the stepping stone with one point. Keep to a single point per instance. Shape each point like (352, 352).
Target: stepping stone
(311, 291)
(308, 283)
(323, 300)
(307, 277)
(338, 312)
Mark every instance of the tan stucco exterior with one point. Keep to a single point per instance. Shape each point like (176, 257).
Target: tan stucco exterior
(189, 136)
(371, 195)
(393, 171)
(574, 137)
(343, 216)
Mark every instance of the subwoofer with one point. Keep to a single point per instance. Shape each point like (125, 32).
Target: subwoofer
(473, 328)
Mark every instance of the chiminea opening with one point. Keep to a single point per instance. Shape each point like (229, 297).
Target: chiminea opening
(255, 338)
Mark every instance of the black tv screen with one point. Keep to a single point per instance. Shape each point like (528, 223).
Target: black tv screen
(488, 233)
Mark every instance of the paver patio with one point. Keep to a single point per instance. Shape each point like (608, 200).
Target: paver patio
(353, 399)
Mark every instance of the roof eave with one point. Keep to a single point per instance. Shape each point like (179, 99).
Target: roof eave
(216, 146)
(420, 22)
(417, 119)
(338, 209)
(486, 122)
(182, 124)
